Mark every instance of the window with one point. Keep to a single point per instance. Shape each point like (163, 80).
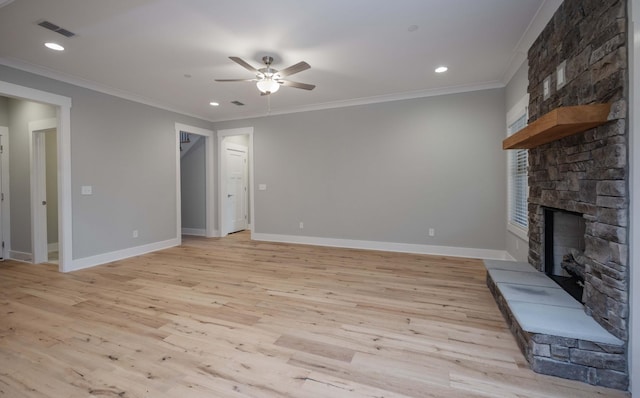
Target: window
(518, 179)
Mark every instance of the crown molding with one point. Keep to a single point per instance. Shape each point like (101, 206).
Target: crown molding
(373, 100)
(48, 73)
(76, 81)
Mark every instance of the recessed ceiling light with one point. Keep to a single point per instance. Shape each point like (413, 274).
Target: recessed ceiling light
(54, 46)
(214, 104)
(441, 69)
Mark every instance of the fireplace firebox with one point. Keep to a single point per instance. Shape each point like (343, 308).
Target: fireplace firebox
(564, 245)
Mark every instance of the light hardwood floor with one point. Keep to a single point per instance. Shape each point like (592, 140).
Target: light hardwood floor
(235, 318)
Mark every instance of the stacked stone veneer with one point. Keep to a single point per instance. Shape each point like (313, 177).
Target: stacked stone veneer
(587, 172)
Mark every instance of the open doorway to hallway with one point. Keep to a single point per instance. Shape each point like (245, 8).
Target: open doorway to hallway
(195, 184)
(23, 105)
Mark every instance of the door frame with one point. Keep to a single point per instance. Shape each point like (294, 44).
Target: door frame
(63, 115)
(224, 174)
(5, 204)
(208, 136)
(222, 134)
(37, 156)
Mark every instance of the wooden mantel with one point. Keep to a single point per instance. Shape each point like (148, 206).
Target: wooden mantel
(559, 123)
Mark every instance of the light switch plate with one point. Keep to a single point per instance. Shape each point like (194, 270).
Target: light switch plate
(86, 190)
(546, 88)
(561, 75)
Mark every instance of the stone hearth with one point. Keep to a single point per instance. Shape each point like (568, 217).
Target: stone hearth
(551, 328)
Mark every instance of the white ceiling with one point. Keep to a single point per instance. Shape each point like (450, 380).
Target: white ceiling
(359, 50)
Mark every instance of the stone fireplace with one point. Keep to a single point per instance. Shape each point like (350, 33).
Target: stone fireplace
(585, 173)
(580, 182)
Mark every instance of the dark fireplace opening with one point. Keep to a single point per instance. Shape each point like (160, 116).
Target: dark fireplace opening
(564, 245)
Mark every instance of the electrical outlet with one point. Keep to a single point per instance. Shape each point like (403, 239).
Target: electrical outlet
(135, 233)
(432, 232)
(301, 225)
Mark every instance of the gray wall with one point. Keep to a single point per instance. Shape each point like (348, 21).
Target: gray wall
(381, 172)
(51, 147)
(126, 151)
(517, 86)
(192, 178)
(386, 172)
(515, 90)
(20, 114)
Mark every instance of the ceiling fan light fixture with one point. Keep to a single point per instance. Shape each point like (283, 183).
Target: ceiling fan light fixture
(268, 86)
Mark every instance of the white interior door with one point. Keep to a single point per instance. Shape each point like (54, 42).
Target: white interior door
(38, 153)
(235, 199)
(39, 199)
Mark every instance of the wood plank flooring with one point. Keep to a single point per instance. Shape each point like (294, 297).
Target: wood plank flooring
(235, 318)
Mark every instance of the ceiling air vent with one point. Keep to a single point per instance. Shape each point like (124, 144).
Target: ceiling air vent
(237, 103)
(55, 28)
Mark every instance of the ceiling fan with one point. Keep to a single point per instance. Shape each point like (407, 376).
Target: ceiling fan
(268, 80)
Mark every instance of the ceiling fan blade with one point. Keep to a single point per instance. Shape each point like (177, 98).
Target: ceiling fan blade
(236, 80)
(244, 64)
(303, 86)
(299, 67)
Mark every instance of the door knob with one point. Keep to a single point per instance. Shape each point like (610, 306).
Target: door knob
(229, 195)
(44, 202)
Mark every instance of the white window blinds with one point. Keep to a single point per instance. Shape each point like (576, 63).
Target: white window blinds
(518, 180)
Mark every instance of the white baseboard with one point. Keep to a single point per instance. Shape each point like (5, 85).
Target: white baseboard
(467, 252)
(92, 261)
(52, 247)
(20, 256)
(194, 231)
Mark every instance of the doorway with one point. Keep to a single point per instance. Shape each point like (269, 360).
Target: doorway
(209, 195)
(63, 111)
(44, 190)
(235, 173)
